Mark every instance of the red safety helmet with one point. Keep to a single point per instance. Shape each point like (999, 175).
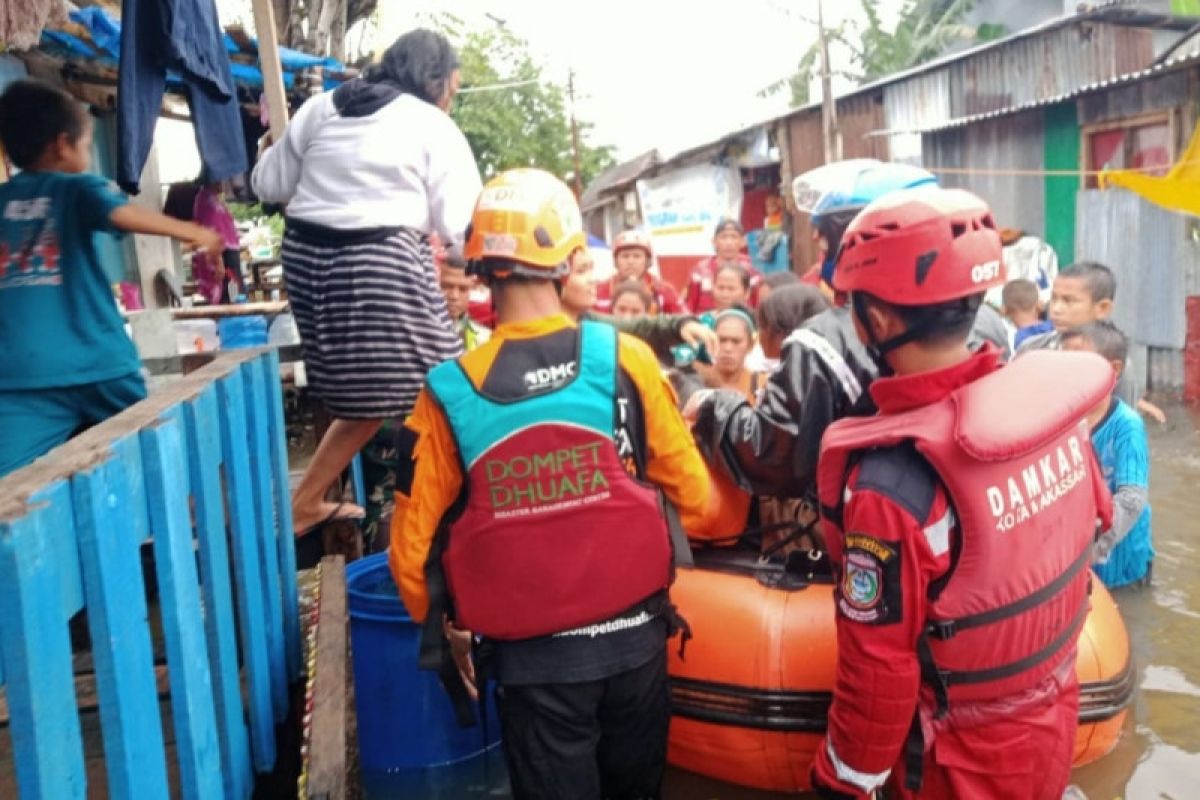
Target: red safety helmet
(628, 240)
(920, 247)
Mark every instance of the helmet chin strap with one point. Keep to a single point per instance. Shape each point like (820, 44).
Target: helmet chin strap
(879, 349)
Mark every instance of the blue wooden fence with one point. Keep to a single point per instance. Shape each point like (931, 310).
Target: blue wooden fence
(200, 469)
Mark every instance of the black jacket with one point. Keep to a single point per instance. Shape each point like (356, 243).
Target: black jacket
(824, 373)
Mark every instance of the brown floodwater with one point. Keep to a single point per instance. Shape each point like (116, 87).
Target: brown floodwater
(1158, 754)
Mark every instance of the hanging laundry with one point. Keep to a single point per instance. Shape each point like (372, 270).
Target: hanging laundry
(183, 36)
(1178, 190)
(21, 21)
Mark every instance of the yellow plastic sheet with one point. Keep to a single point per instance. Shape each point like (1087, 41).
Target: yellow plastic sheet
(1178, 190)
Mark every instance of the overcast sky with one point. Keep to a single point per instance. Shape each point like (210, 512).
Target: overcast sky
(657, 73)
(649, 73)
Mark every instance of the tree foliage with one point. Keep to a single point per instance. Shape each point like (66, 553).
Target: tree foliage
(923, 31)
(319, 26)
(525, 125)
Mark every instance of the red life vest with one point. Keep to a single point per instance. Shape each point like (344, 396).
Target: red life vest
(1014, 454)
(555, 534)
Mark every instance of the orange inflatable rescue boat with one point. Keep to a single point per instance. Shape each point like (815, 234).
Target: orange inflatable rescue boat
(750, 696)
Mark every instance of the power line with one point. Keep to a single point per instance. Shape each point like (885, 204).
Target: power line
(497, 86)
(1047, 173)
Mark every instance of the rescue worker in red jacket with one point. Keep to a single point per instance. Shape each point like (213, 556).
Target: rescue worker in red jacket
(960, 521)
(535, 520)
(633, 255)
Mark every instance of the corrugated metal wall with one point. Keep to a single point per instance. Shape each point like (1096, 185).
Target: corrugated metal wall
(1156, 94)
(920, 102)
(1004, 144)
(1153, 256)
(1033, 69)
(1047, 65)
(857, 116)
(1165, 370)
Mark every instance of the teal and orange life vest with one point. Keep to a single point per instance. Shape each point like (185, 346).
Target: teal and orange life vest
(554, 534)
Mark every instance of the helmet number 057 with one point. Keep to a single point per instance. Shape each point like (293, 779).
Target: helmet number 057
(985, 272)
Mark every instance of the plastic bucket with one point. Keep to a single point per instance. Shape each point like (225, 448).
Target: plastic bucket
(238, 332)
(405, 720)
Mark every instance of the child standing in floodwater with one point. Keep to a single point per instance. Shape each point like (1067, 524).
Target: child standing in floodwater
(1124, 554)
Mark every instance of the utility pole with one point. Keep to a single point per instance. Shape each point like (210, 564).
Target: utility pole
(831, 136)
(578, 182)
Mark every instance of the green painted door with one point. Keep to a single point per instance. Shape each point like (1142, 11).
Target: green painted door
(1062, 146)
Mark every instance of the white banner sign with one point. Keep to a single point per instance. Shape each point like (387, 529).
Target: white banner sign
(681, 208)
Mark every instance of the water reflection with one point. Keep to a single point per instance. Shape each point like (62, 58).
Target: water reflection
(1157, 755)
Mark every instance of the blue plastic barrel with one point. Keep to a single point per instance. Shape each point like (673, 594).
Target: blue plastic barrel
(239, 332)
(405, 720)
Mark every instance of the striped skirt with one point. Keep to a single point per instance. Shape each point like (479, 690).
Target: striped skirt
(371, 316)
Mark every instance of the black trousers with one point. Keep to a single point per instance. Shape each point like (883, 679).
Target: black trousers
(598, 740)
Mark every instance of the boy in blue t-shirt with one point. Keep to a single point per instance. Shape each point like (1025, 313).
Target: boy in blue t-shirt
(1123, 554)
(65, 360)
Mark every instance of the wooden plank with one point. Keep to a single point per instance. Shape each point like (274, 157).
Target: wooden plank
(93, 446)
(269, 65)
(86, 698)
(55, 504)
(327, 767)
(46, 740)
(258, 422)
(112, 580)
(192, 710)
(247, 569)
(283, 517)
(204, 462)
(190, 362)
(267, 308)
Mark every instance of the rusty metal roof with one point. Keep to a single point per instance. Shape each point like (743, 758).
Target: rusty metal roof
(619, 175)
(1184, 59)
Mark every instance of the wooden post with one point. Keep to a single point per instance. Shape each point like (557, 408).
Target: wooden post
(578, 182)
(329, 764)
(272, 70)
(831, 136)
(152, 253)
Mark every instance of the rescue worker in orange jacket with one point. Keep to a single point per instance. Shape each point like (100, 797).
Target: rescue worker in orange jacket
(959, 521)
(536, 523)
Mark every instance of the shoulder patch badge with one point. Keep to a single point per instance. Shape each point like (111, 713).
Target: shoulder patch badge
(869, 591)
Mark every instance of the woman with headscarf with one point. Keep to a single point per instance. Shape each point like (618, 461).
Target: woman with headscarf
(368, 172)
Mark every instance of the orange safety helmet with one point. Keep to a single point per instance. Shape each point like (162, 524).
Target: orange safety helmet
(631, 239)
(527, 222)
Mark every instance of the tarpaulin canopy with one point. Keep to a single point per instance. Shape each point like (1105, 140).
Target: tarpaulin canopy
(104, 32)
(1178, 190)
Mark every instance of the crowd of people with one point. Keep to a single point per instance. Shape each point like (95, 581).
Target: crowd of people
(563, 437)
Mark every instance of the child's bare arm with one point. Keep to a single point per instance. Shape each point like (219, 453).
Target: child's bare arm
(1152, 411)
(136, 219)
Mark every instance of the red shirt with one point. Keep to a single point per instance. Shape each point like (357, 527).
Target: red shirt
(699, 298)
(665, 298)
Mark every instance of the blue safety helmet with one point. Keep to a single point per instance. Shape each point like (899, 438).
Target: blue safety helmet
(834, 194)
